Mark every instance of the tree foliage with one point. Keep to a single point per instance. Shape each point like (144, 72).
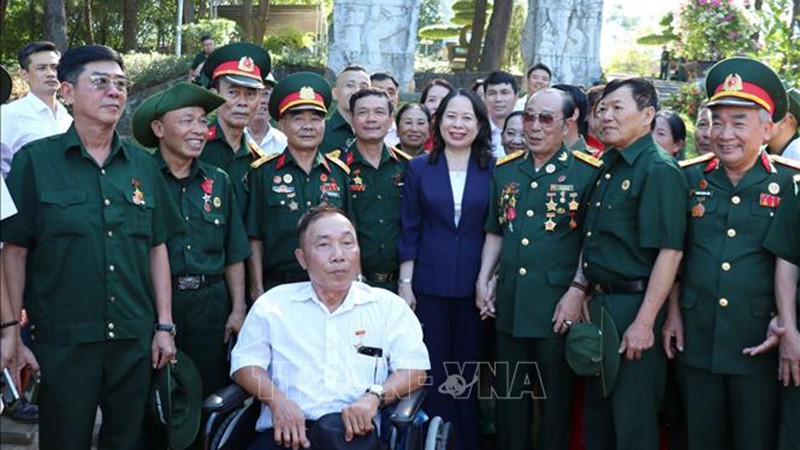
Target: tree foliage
(778, 39)
(711, 29)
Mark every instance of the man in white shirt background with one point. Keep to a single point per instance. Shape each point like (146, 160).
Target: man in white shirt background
(501, 94)
(38, 114)
(269, 138)
(386, 82)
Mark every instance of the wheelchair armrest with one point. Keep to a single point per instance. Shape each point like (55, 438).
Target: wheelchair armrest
(407, 408)
(225, 399)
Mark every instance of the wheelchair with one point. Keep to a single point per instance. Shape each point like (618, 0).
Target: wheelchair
(230, 415)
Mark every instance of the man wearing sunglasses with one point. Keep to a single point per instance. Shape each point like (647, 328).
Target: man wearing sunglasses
(87, 249)
(533, 229)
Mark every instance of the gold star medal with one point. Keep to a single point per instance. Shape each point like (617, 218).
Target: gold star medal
(551, 204)
(550, 225)
(698, 210)
(293, 205)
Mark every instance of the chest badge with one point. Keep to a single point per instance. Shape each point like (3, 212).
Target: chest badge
(698, 210)
(138, 195)
(626, 184)
(287, 178)
(774, 188)
(208, 187)
(550, 168)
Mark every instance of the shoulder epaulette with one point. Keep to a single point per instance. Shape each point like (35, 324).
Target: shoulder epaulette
(335, 153)
(509, 157)
(255, 150)
(587, 158)
(785, 161)
(400, 154)
(263, 160)
(696, 160)
(338, 162)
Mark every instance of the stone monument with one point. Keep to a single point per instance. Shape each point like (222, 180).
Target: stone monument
(378, 35)
(565, 35)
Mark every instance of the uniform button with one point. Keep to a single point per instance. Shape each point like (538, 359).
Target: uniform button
(529, 213)
(723, 302)
(110, 233)
(380, 220)
(110, 325)
(111, 334)
(188, 247)
(525, 241)
(112, 299)
(736, 199)
(283, 202)
(380, 197)
(107, 202)
(183, 189)
(308, 204)
(585, 264)
(111, 268)
(608, 176)
(534, 185)
(597, 204)
(726, 266)
(216, 221)
(731, 232)
(588, 234)
(522, 271)
(102, 171)
(187, 218)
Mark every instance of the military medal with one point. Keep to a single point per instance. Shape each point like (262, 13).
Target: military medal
(217, 202)
(360, 338)
(508, 205)
(626, 184)
(703, 184)
(550, 168)
(550, 225)
(698, 210)
(293, 205)
(138, 195)
(770, 201)
(551, 204)
(276, 179)
(562, 178)
(573, 204)
(774, 188)
(323, 177)
(287, 178)
(572, 222)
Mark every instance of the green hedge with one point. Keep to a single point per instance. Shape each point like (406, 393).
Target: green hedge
(151, 69)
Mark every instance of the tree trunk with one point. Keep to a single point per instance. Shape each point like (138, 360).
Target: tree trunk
(260, 25)
(55, 23)
(202, 12)
(795, 15)
(130, 9)
(88, 21)
(3, 7)
(188, 11)
(496, 36)
(247, 20)
(478, 25)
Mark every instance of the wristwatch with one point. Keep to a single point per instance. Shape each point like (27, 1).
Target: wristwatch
(168, 327)
(378, 391)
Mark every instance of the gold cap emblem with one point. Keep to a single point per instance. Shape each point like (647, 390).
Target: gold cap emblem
(733, 83)
(307, 93)
(246, 64)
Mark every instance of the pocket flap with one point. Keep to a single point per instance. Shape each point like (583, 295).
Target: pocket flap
(64, 198)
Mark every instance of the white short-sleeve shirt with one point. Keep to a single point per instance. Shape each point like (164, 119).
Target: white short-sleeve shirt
(311, 353)
(26, 120)
(273, 142)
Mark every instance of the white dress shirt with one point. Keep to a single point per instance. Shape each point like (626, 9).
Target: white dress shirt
(7, 207)
(274, 141)
(497, 141)
(26, 120)
(792, 151)
(310, 352)
(391, 139)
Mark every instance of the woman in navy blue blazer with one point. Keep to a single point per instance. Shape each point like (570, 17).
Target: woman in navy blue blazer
(444, 206)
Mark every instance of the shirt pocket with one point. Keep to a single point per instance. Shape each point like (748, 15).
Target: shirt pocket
(139, 216)
(213, 233)
(64, 213)
(757, 223)
(621, 212)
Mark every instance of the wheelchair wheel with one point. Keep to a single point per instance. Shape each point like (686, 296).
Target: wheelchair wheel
(446, 443)
(438, 437)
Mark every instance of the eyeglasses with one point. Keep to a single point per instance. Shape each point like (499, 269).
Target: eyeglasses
(103, 83)
(546, 119)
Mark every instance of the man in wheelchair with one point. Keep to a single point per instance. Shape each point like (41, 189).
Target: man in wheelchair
(323, 356)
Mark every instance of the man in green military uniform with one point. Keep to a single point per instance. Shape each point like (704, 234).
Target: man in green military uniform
(375, 185)
(785, 140)
(783, 240)
(207, 259)
(289, 183)
(533, 231)
(94, 217)
(236, 72)
(338, 128)
(727, 284)
(633, 236)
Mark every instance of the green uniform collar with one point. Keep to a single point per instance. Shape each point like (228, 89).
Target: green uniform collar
(631, 152)
(215, 132)
(761, 170)
(193, 170)
(560, 159)
(287, 158)
(580, 145)
(358, 157)
(337, 121)
(72, 141)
